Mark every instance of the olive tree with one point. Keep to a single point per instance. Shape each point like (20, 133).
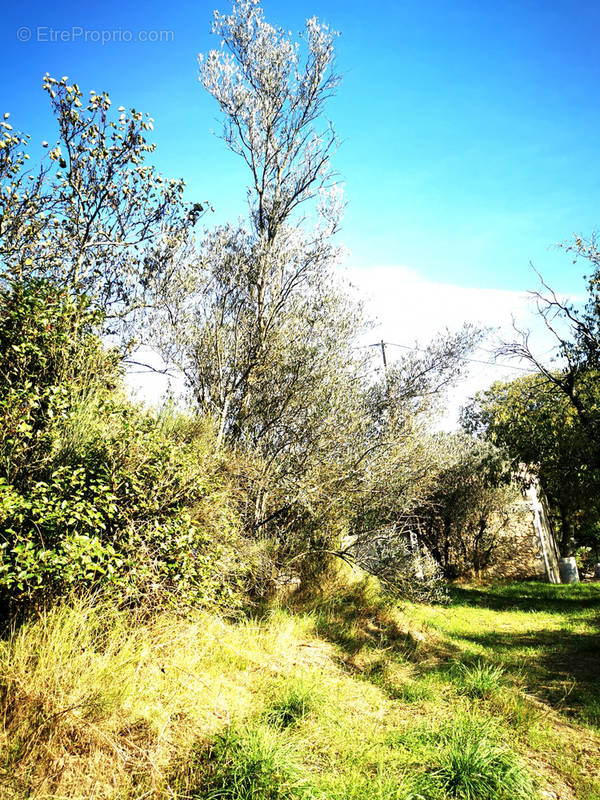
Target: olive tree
(272, 92)
(257, 318)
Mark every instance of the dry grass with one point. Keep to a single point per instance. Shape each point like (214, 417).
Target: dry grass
(352, 697)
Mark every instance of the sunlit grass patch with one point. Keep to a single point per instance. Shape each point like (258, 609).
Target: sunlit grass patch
(250, 763)
(97, 700)
(478, 680)
(291, 700)
(517, 711)
(416, 691)
(92, 696)
(380, 786)
(465, 757)
(475, 765)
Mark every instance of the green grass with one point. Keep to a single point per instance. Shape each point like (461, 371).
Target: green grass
(352, 697)
(476, 765)
(292, 700)
(479, 679)
(247, 764)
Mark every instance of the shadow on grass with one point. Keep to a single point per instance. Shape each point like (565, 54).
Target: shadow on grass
(562, 667)
(360, 623)
(530, 596)
(353, 627)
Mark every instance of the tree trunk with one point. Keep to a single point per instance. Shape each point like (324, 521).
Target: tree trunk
(566, 544)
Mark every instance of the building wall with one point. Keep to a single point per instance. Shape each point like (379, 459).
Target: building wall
(526, 547)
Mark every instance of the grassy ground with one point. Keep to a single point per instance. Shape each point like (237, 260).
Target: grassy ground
(349, 698)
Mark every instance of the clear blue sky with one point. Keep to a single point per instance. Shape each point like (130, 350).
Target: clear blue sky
(470, 127)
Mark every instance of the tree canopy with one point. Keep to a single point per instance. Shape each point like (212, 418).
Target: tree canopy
(534, 420)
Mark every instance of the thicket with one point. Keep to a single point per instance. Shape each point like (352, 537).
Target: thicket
(95, 491)
(294, 448)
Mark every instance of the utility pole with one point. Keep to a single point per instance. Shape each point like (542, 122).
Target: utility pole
(383, 346)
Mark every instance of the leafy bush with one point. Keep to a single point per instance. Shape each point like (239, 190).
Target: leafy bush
(138, 509)
(49, 356)
(95, 491)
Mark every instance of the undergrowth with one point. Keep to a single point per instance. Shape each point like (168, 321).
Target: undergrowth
(350, 697)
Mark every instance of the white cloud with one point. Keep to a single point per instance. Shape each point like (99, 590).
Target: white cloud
(409, 311)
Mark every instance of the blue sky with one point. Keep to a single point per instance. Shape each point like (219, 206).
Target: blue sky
(469, 128)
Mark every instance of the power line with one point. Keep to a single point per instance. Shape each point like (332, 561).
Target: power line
(383, 345)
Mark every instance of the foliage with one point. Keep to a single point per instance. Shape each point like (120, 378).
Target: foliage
(395, 558)
(47, 346)
(444, 497)
(257, 320)
(539, 427)
(264, 330)
(133, 508)
(576, 329)
(94, 217)
(92, 489)
(416, 383)
(462, 516)
(268, 350)
(272, 95)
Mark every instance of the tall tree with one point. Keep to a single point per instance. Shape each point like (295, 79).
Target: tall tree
(259, 321)
(272, 92)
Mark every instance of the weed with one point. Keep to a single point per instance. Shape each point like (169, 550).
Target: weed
(252, 763)
(479, 679)
(474, 765)
(293, 700)
(416, 691)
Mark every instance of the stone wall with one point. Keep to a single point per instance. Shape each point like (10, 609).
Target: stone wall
(526, 547)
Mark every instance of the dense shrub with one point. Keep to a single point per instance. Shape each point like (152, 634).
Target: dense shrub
(95, 491)
(49, 356)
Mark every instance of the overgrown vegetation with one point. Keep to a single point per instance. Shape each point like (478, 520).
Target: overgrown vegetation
(94, 491)
(144, 553)
(357, 698)
(289, 441)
